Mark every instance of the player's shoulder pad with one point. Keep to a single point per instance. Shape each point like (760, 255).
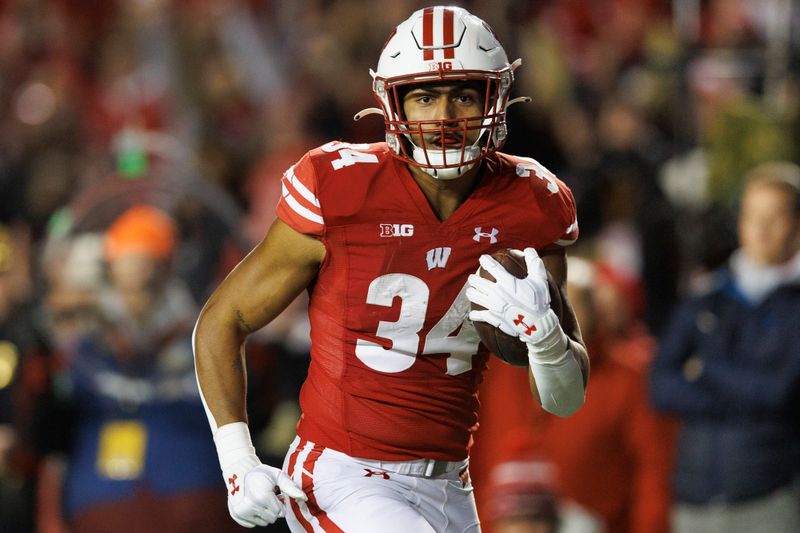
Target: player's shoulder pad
(553, 196)
(540, 177)
(338, 157)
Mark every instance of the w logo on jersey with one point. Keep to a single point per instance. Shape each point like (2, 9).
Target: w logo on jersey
(480, 234)
(437, 258)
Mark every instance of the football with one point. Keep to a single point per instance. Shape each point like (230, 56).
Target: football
(505, 347)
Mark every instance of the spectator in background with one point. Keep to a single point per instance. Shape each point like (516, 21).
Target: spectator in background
(729, 366)
(22, 355)
(138, 427)
(523, 499)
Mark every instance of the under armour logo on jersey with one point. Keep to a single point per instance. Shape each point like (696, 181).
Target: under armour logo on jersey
(370, 473)
(437, 258)
(232, 483)
(396, 230)
(480, 234)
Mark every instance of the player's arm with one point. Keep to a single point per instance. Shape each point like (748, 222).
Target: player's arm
(253, 294)
(556, 265)
(521, 307)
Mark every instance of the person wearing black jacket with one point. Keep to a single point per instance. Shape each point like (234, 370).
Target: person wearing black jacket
(729, 367)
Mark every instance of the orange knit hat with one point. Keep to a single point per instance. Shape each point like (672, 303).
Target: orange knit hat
(142, 229)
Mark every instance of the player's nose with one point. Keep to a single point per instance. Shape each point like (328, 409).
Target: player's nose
(448, 111)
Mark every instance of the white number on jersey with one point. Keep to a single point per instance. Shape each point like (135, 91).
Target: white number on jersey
(348, 154)
(413, 295)
(531, 165)
(461, 346)
(404, 333)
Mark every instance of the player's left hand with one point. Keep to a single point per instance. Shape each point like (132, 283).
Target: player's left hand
(519, 307)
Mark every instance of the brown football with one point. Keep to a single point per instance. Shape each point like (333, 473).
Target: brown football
(507, 348)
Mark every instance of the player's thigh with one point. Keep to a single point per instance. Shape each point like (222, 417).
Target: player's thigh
(357, 513)
(448, 504)
(344, 496)
(462, 513)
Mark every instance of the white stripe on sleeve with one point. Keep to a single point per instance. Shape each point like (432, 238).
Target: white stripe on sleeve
(302, 189)
(300, 209)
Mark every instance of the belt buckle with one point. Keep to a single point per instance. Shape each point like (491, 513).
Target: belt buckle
(436, 468)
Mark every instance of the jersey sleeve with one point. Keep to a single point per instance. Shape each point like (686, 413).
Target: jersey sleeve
(560, 206)
(569, 216)
(299, 205)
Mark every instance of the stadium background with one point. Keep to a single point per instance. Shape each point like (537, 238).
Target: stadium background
(650, 110)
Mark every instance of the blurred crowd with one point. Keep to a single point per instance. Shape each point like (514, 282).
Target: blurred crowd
(141, 148)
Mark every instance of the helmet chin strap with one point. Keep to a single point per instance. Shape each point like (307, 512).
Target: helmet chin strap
(441, 173)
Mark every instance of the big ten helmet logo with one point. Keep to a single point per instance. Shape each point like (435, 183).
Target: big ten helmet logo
(440, 66)
(396, 230)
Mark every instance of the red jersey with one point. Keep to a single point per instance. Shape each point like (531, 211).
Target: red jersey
(395, 362)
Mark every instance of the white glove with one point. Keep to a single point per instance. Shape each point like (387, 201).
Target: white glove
(253, 498)
(519, 307)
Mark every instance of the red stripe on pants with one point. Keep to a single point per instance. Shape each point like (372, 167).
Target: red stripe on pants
(293, 457)
(292, 503)
(448, 31)
(427, 33)
(299, 516)
(308, 487)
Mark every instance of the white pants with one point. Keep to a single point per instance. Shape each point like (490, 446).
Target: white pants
(351, 495)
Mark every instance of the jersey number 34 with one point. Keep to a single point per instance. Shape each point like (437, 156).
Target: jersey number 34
(404, 333)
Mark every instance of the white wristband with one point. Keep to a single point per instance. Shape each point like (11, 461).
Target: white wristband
(233, 443)
(551, 348)
(560, 384)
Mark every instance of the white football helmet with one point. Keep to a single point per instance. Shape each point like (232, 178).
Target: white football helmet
(440, 44)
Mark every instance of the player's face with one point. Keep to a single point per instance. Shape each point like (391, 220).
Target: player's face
(768, 224)
(449, 102)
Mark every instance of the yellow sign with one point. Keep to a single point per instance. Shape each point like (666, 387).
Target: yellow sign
(9, 361)
(121, 450)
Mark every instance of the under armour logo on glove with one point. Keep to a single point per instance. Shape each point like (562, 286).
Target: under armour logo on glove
(519, 307)
(232, 483)
(520, 321)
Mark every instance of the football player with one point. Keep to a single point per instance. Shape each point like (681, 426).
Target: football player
(386, 238)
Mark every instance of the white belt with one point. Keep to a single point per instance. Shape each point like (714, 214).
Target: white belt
(418, 467)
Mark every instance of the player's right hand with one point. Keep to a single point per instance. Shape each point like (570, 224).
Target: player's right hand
(256, 492)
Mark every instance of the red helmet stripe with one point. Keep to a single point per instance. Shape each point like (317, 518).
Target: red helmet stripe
(447, 33)
(427, 33)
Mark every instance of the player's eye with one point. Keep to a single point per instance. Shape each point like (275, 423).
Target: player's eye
(466, 98)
